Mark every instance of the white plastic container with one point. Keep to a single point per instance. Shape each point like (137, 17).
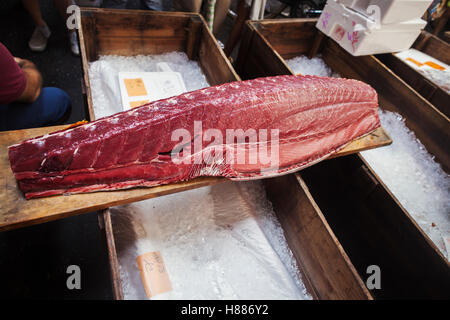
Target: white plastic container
(360, 35)
(390, 11)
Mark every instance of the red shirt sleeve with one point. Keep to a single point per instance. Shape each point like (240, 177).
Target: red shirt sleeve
(12, 78)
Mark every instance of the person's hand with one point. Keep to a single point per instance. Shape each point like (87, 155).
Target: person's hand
(34, 80)
(19, 61)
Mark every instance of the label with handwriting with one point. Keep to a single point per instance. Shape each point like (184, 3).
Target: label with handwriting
(153, 273)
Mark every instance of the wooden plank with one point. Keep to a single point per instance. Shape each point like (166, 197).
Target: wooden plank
(16, 212)
(377, 138)
(215, 65)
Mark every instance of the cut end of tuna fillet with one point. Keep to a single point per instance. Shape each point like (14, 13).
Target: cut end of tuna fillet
(295, 121)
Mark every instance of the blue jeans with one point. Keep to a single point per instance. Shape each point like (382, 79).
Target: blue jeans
(49, 108)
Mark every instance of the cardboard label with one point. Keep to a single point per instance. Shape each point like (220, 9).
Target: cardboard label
(135, 87)
(153, 273)
(134, 104)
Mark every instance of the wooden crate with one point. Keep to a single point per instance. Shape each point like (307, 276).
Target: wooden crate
(434, 47)
(368, 221)
(325, 267)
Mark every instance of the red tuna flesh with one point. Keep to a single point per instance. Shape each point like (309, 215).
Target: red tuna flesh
(314, 116)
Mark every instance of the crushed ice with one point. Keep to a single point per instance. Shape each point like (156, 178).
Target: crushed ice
(104, 82)
(312, 67)
(415, 178)
(217, 242)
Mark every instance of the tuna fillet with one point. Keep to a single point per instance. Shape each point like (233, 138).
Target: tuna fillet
(292, 121)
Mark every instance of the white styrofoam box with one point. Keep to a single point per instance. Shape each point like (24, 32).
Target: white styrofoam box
(158, 85)
(360, 35)
(390, 11)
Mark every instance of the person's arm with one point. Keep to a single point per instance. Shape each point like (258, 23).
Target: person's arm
(34, 81)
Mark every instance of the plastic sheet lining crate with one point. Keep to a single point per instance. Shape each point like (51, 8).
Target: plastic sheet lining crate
(367, 219)
(325, 267)
(436, 48)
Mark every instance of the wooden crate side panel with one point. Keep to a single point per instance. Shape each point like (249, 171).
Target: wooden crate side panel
(326, 270)
(130, 33)
(430, 125)
(433, 46)
(289, 39)
(214, 63)
(88, 36)
(193, 37)
(106, 224)
(88, 48)
(259, 60)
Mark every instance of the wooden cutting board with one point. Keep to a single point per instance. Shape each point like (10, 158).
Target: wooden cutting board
(16, 211)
